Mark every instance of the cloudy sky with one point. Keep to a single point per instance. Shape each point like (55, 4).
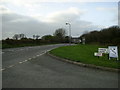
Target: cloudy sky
(43, 17)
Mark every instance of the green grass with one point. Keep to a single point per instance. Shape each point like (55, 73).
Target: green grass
(85, 54)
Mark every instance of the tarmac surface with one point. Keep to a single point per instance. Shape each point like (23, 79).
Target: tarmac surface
(31, 67)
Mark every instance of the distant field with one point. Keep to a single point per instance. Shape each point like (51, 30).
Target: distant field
(4, 46)
(85, 54)
(14, 46)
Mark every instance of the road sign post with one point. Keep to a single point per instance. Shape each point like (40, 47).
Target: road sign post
(83, 40)
(113, 52)
(103, 50)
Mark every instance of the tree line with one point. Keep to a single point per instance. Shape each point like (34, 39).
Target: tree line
(105, 36)
(59, 36)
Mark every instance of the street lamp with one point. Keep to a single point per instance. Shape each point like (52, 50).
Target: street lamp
(69, 32)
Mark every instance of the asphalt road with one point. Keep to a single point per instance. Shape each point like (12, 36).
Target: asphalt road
(30, 67)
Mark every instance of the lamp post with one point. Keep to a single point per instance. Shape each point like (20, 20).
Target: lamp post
(69, 32)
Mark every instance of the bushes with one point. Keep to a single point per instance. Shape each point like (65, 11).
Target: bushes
(10, 43)
(109, 35)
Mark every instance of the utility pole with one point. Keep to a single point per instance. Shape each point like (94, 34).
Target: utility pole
(69, 32)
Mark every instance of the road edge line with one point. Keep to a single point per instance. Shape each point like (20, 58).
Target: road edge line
(84, 65)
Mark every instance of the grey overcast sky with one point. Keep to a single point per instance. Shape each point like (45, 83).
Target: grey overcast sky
(43, 17)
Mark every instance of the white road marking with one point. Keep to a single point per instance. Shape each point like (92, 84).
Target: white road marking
(20, 62)
(37, 55)
(25, 60)
(34, 57)
(40, 54)
(1, 52)
(10, 66)
(2, 69)
(47, 50)
(29, 58)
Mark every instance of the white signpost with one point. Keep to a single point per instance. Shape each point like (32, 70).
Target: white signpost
(97, 54)
(83, 40)
(103, 50)
(113, 52)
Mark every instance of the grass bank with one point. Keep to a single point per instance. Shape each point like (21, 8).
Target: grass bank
(85, 54)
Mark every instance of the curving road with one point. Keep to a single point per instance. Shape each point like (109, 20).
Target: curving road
(30, 67)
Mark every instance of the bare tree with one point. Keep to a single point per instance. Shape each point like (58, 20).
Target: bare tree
(19, 36)
(16, 36)
(37, 36)
(34, 36)
(60, 33)
(22, 36)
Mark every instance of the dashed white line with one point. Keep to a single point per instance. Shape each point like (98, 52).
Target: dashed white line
(37, 55)
(40, 54)
(29, 58)
(25, 60)
(20, 62)
(34, 57)
(2, 69)
(10, 66)
(1, 52)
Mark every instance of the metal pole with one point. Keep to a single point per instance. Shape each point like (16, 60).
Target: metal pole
(69, 32)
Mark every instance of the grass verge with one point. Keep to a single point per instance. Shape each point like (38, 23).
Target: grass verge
(85, 54)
